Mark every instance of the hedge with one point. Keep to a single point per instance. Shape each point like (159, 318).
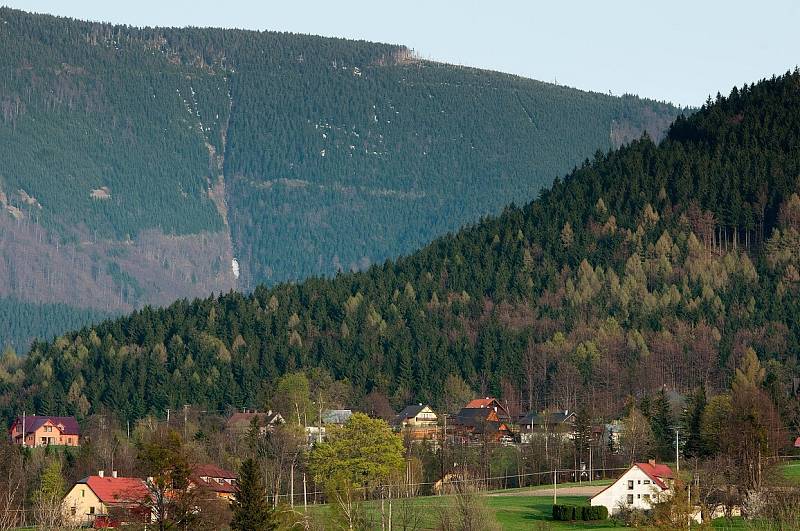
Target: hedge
(568, 513)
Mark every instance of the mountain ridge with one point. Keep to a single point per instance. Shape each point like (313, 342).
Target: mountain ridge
(142, 161)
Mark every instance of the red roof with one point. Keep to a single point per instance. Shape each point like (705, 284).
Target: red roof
(797, 443)
(120, 491)
(213, 473)
(657, 472)
(482, 402)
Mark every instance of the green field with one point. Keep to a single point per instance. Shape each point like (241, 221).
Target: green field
(791, 471)
(511, 512)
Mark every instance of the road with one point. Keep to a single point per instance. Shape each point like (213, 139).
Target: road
(589, 490)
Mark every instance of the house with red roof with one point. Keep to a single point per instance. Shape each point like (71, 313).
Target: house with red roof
(493, 404)
(42, 430)
(215, 480)
(107, 501)
(638, 488)
(797, 443)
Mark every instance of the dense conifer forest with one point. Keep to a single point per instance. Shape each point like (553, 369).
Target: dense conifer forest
(308, 155)
(654, 266)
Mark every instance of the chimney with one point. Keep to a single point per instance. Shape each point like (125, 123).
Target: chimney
(113, 473)
(651, 462)
(101, 473)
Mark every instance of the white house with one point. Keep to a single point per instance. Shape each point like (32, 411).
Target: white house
(640, 485)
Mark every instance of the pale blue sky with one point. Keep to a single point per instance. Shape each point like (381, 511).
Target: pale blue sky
(679, 50)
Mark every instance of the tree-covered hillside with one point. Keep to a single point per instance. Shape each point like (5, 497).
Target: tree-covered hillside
(297, 155)
(652, 265)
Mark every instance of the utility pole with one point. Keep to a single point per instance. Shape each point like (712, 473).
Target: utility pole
(167, 416)
(555, 480)
(24, 444)
(185, 407)
(677, 454)
(291, 487)
(305, 494)
(128, 423)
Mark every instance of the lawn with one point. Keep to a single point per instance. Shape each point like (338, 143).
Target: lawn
(791, 471)
(534, 512)
(513, 513)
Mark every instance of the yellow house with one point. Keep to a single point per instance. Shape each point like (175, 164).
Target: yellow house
(107, 501)
(418, 422)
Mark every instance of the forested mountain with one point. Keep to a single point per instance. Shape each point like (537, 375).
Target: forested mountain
(651, 266)
(137, 163)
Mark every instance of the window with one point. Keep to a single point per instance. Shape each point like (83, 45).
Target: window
(638, 496)
(647, 482)
(73, 510)
(630, 484)
(630, 499)
(646, 497)
(83, 493)
(639, 482)
(91, 509)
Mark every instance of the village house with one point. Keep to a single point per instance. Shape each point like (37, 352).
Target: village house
(241, 421)
(558, 423)
(330, 417)
(103, 501)
(417, 422)
(640, 486)
(480, 424)
(491, 403)
(40, 430)
(214, 479)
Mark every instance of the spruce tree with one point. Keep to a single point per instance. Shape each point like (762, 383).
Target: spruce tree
(661, 422)
(692, 420)
(251, 510)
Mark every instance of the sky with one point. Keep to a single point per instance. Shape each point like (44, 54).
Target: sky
(678, 51)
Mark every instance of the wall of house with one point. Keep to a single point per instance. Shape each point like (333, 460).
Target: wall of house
(54, 437)
(426, 417)
(81, 504)
(637, 495)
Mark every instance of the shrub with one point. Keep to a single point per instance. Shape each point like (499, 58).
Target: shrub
(567, 513)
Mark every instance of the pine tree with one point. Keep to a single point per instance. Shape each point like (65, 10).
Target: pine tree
(251, 510)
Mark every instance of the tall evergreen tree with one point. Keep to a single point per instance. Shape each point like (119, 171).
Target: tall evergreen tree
(251, 509)
(662, 424)
(691, 423)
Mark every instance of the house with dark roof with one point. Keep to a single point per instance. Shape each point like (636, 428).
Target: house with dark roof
(42, 430)
(417, 422)
(473, 424)
(241, 421)
(213, 479)
(491, 403)
(642, 485)
(107, 501)
(547, 424)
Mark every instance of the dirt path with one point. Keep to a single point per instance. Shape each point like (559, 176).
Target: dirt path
(589, 490)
